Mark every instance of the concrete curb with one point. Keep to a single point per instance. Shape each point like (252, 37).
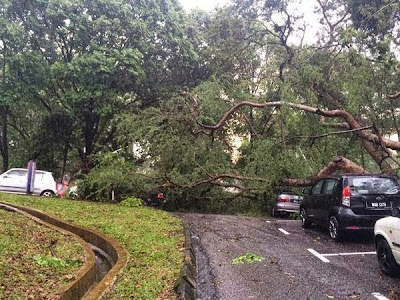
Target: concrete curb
(85, 276)
(112, 247)
(185, 286)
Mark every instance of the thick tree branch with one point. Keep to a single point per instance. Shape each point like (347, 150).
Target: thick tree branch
(336, 132)
(218, 178)
(393, 96)
(338, 163)
(337, 113)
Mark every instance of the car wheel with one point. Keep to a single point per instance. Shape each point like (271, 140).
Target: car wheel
(305, 221)
(385, 258)
(47, 193)
(274, 213)
(334, 231)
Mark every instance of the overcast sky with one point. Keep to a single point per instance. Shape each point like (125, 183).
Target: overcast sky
(306, 7)
(202, 4)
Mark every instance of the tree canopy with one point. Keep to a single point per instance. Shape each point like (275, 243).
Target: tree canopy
(213, 107)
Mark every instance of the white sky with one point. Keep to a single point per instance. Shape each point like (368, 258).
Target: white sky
(305, 7)
(202, 4)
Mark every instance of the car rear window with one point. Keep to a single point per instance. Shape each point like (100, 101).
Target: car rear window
(373, 185)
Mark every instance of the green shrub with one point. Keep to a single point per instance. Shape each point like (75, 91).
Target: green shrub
(113, 173)
(132, 202)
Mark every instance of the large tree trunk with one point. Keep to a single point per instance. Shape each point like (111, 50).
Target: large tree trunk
(338, 163)
(381, 157)
(4, 117)
(4, 137)
(64, 162)
(91, 122)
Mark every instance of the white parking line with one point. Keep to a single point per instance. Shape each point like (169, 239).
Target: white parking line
(312, 251)
(283, 231)
(350, 253)
(379, 296)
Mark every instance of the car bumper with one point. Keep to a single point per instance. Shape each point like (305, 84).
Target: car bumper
(287, 207)
(396, 254)
(348, 220)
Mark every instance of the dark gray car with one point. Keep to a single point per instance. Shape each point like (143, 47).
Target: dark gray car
(350, 202)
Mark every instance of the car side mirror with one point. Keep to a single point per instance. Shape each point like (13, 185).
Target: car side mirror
(396, 212)
(307, 191)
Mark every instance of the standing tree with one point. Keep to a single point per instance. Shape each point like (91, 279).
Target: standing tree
(92, 60)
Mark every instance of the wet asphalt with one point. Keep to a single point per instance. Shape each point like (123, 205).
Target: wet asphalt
(289, 270)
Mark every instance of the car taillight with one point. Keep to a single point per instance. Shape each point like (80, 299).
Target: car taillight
(283, 199)
(346, 196)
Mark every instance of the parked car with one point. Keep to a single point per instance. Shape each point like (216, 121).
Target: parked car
(286, 203)
(15, 181)
(387, 243)
(349, 202)
(155, 199)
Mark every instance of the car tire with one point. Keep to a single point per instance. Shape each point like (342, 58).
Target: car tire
(274, 213)
(334, 231)
(385, 258)
(305, 221)
(47, 193)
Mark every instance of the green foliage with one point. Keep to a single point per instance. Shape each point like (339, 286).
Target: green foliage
(132, 202)
(92, 61)
(249, 258)
(55, 262)
(113, 173)
(378, 19)
(153, 239)
(108, 76)
(25, 257)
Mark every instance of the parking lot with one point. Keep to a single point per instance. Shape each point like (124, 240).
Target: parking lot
(298, 264)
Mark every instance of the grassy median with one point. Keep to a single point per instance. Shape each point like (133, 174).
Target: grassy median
(153, 238)
(34, 259)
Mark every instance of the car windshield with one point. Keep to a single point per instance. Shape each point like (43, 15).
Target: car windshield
(374, 185)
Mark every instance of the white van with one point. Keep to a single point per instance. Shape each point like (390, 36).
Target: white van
(15, 181)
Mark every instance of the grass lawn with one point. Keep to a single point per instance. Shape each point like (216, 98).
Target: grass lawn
(153, 238)
(28, 268)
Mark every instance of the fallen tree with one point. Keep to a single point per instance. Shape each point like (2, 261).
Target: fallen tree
(373, 142)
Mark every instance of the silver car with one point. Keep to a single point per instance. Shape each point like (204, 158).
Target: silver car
(16, 181)
(286, 203)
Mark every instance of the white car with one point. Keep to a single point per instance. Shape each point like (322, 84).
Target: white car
(387, 243)
(16, 181)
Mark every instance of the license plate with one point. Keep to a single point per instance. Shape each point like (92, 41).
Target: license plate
(378, 205)
(295, 201)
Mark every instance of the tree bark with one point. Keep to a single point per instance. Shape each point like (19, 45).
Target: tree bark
(4, 137)
(4, 117)
(338, 163)
(64, 161)
(90, 129)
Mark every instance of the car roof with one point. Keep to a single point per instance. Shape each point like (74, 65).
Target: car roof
(347, 175)
(287, 192)
(23, 169)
